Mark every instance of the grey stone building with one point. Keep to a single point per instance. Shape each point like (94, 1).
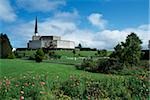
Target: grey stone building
(48, 41)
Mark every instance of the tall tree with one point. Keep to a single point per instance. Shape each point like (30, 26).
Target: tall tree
(132, 50)
(128, 52)
(5, 46)
(80, 46)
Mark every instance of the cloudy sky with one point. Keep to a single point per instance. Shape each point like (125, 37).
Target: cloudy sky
(93, 23)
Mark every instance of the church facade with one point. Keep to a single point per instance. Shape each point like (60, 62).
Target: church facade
(48, 41)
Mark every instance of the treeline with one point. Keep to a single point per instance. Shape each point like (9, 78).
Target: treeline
(125, 55)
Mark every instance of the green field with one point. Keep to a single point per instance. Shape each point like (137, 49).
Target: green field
(65, 53)
(62, 81)
(16, 67)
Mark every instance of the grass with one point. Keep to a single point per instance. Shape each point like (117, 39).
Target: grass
(65, 53)
(16, 67)
(17, 75)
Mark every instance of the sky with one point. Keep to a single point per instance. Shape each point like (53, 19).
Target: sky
(98, 24)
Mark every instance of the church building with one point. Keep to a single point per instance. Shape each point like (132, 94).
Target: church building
(39, 41)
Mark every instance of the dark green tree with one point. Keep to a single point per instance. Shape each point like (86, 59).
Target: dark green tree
(39, 56)
(102, 53)
(80, 46)
(132, 49)
(5, 47)
(128, 52)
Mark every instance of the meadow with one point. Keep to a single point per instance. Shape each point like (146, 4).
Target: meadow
(54, 80)
(59, 79)
(16, 67)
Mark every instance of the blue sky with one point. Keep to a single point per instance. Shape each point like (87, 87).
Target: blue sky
(93, 23)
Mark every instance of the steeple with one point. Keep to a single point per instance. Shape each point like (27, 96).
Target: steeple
(36, 26)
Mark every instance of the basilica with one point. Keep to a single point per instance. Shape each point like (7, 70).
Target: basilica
(39, 41)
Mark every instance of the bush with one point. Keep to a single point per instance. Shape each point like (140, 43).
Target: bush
(145, 64)
(38, 87)
(53, 55)
(106, 88)
(102, 53)
(39, 56)
(100, 65)
(88, 65)
(31, 57)
(72, 88)
(19, 54)
(11, 56)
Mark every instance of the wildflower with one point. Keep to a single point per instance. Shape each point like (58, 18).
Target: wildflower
(141, 77)
(26, 84)
(16, 85)
(7, 82)
(21, 97)
(57, 77)
(33, 85)
(42, 83)
(41, 92)
(21, 92)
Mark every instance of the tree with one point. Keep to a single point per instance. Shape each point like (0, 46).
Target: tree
(128, 52)
(39, 55)
(80, 46)
(5, 47)
(132, 51)
(74, 52)
(102, 53)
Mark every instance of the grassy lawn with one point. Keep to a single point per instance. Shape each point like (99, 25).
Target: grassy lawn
(65, 53)
(16, 67)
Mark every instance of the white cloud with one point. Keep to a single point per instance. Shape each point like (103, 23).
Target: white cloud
(7, 13)
(97, 20)
(40, 5)
(68, 16)
(68, 30)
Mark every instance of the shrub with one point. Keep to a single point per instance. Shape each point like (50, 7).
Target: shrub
(39, 55)
(53, 55)
(105, 88)
(102, 53)
(94, 90)
(72, 88)
(19, 54)
(145, 64)
(100, 65)
(38, 87)
(11, 56)
(88, 65)
(31, 57)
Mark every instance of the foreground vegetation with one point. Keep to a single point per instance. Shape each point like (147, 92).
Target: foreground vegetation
(49, 81)
(36, 87)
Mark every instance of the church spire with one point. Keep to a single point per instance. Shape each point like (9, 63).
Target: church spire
(36, 26)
